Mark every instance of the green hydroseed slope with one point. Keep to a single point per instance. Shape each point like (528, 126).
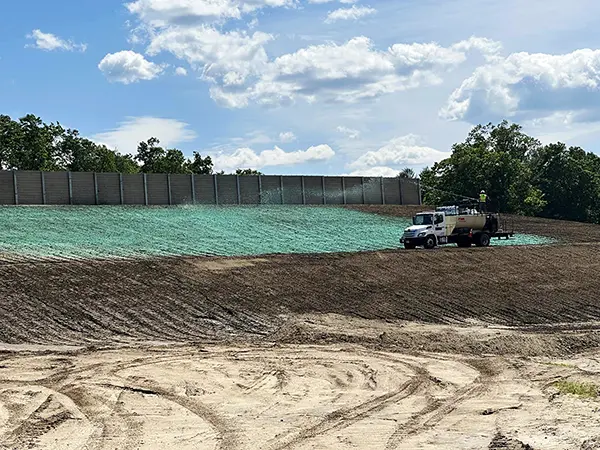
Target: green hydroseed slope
(114, 231)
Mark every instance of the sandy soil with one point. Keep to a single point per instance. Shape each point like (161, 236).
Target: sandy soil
(280, 396)
(446, 349)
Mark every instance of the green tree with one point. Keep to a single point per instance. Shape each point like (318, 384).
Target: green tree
(150, 155)
(173, 161)
(247, 172)
(10, 136)
(407, 172)
(570, 180)
(126, 164)
(32, 146)
(494, 158)
(200, 165)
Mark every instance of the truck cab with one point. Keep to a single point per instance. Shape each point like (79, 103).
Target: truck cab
(428, 230)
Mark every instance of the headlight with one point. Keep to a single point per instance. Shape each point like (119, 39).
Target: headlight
(422, 234)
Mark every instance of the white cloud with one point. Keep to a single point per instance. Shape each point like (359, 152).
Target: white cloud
(329, 1)
(248, 158)
(164, 13)
(400, 152)
(129, 133)
(380, 171)
(287, 136)
(181, 71)
(51, 42)
(349, 132)
(227, 58)
(128, 67)
(352, 13)
(349, 73)
(526, 86)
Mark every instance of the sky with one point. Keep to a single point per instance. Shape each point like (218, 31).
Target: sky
(315, 87)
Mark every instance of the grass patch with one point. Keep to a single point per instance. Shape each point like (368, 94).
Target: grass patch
(556, 364)
(584, 390)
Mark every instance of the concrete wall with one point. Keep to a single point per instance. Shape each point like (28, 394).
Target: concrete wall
(81, 188)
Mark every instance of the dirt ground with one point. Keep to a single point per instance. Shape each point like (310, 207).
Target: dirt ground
(444, 349)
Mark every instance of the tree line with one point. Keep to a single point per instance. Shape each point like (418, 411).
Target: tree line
(519, 174)
(30, 144)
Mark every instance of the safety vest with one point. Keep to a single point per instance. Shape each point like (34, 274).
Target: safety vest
(483, 198)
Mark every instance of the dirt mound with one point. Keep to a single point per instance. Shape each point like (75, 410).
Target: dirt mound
(501, 442)
(204, 299)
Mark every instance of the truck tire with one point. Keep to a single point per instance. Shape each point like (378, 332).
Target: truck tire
(482, 240)
(409, 246)
(430, 242)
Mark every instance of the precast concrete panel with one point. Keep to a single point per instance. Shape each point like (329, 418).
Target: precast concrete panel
(157, 188)
(373, 191)
(181, 189)
(271, 190)
(57, 188)
(292, 190)
(227, 188)
(354, 190)
(205, 189)
(133, 189)
(29, 186)
(391, 189)
(7, 188)
(109, 190)
(410, 192)
(334, 190)
(84, 192)
(249, 189)
(313, 190)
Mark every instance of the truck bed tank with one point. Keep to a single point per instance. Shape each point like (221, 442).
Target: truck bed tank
(460, 218)
(475, 222)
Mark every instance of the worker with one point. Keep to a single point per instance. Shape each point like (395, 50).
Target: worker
(483, 201)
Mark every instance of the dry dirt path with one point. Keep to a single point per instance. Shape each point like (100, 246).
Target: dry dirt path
(284, 397)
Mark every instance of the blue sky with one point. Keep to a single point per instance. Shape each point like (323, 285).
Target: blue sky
(304, 86)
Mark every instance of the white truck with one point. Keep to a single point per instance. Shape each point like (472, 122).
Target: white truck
(452, 225)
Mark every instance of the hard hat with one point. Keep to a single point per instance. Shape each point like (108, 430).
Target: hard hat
(482, 191)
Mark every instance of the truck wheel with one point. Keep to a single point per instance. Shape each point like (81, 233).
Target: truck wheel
(409, 246)
(483, 240)
(430, 242)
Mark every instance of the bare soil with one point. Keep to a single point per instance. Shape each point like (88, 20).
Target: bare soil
(444, 349)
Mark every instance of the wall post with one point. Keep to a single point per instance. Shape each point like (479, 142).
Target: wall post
(303, 191)
(15, 187)
(382, 192)
(121, 193)
(324, 193)
(96, 187)
(70, 178)
(260, 196)
(145, 178)
(237, 187)
(400, 184)
(193, 184)
(216, 186)
(169, 189)
(281, 189)
(362, 183)
(344, 189)
(43, 187)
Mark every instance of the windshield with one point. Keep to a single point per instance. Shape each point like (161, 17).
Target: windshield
(426, 219)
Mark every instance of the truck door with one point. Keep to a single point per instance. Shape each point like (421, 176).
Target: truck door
(439, 228)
